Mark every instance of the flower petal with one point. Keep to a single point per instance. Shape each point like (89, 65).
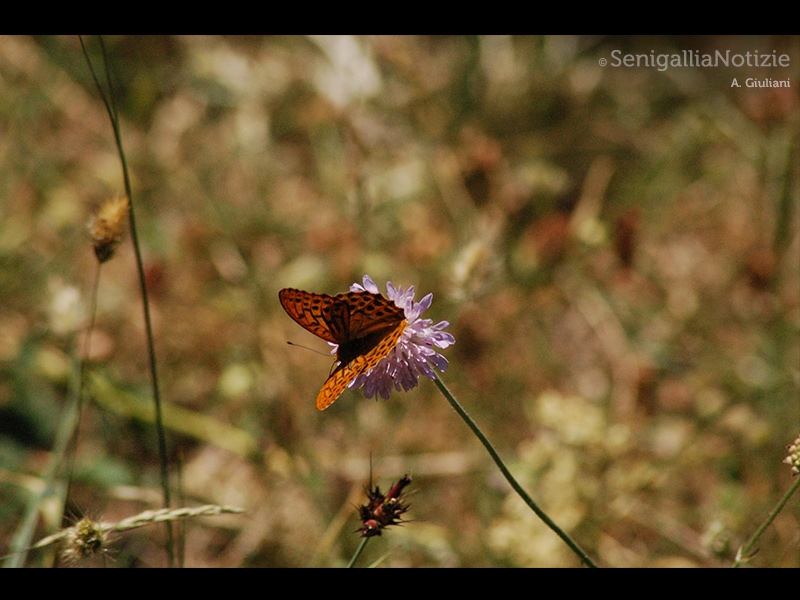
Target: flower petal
(414, 354)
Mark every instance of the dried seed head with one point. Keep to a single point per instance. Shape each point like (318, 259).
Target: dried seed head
(85, 539)
(88, 537)
(382, 511)
(106, 227)
(794, 456)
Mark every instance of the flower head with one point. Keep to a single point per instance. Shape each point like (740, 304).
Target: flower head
(85, 539)
(793, 459)
(415, 353)
(382, 511)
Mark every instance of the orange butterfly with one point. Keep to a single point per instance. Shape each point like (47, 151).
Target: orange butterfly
(366, 327)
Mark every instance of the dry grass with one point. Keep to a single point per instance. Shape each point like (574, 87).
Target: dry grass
(616, 250)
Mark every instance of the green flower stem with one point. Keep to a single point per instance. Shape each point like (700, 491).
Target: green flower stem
(360, 549)
(745, 552)
(507, 474)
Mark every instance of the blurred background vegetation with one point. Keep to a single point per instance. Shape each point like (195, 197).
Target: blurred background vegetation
(616, 250)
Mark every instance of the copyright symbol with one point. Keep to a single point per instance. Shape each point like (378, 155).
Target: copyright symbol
(603, 62)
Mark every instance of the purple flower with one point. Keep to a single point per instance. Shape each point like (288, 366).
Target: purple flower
(415, 353)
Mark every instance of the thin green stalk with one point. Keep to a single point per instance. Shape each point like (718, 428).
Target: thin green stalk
(746, 551)
(787, 198)
(162, 442)
(358, 552)
(78, 401)
(67, 432)
(507, 474)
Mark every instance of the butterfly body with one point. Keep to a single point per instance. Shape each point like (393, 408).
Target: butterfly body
(365, 326)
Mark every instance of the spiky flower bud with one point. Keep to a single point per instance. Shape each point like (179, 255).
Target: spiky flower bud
(106, 227)
(382, 511)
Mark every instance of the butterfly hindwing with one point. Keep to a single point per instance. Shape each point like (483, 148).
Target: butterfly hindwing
(345, 373)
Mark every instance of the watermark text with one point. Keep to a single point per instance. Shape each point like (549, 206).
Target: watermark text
(695, 58)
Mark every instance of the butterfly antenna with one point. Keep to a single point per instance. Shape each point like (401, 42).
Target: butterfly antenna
(307, 348)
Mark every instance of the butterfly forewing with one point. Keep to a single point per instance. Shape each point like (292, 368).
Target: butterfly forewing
(310, 311)
(366, 327)
(370, 313)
